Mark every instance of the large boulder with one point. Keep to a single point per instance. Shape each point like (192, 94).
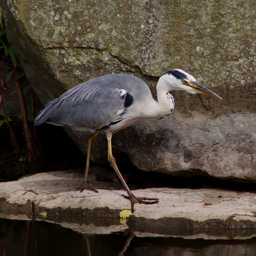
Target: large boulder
(63, 44)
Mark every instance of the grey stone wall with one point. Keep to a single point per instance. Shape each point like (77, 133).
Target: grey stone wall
(61, 44)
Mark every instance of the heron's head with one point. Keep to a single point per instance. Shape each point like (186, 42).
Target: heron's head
(179, 79)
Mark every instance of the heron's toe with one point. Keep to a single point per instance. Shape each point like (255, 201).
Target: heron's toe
(142, 200)
(87, 185)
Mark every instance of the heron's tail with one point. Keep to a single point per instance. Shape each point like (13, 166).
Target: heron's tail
(45, 114)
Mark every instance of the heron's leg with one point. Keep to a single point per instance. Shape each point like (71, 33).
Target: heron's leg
(90, 141)
(86, 184)
(131, 196)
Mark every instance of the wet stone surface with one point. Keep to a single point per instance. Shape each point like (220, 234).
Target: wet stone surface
(52, 196)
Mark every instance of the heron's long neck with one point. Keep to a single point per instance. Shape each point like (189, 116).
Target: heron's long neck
(151, 109)
(162, 89)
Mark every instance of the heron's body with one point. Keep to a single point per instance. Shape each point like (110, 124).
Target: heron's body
(113, 102)
(103, 103)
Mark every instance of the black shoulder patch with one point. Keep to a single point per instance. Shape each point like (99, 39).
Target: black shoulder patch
(105, 127)
(128, 100)
(110, 124)
(177, 74)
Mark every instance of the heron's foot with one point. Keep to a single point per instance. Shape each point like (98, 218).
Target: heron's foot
(87, 185)
(141, 200)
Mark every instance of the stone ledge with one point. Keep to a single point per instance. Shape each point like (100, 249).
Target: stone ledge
(188, 212)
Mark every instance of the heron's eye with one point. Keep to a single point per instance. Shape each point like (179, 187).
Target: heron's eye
(184, 81)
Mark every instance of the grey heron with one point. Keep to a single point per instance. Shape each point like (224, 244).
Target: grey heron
(113, 102)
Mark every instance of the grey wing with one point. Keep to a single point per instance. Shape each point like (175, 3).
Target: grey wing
(92, 105)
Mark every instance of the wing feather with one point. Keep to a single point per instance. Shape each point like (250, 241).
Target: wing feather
(94, 103)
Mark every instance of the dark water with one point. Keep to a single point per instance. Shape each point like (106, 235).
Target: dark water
(42, 238)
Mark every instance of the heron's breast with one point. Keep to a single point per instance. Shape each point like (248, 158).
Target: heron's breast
(171, 102)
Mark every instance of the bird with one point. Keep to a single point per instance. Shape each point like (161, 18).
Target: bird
(114, 102)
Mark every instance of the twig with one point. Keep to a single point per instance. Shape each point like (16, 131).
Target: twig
(33, 112)
(24, 117)
(14, 140)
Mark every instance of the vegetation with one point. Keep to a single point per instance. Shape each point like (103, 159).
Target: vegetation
(27, 156)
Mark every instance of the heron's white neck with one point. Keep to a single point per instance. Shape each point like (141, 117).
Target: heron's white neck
(151, 109)
(162, 89)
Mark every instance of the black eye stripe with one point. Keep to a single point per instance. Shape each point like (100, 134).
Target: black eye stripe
(177, 74)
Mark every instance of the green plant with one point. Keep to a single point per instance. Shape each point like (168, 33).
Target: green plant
(3, 120)
(22, 159)
(18, 72)
(9, 52)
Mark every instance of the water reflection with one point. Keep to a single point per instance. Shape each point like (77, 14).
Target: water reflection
(42, 238)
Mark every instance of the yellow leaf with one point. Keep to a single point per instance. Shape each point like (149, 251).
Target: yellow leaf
(43, 214)
(123, 221)
(124, 214)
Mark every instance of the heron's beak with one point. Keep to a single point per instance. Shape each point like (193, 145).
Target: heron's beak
(200, 89)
